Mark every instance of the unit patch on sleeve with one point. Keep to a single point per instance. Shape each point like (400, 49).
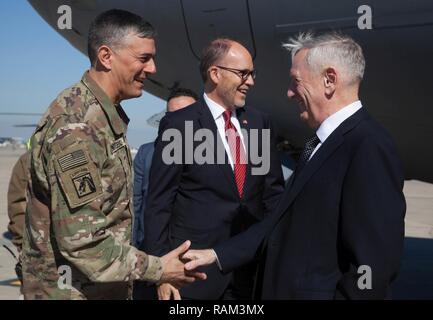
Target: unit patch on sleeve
(77, 175)
(84, 184)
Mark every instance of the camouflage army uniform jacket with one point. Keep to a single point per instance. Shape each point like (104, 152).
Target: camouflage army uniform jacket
(78, 224)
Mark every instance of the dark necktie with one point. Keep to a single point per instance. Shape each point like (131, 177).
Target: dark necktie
(237, 152)
(309, 147)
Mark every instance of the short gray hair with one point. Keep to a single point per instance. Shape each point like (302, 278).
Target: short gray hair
(330, 48)
(112, 27)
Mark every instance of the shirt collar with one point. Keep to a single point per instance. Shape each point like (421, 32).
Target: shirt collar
(334, 120)
(216, 109)
(115, 113)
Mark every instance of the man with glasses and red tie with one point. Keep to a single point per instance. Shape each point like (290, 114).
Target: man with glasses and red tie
(209, 202)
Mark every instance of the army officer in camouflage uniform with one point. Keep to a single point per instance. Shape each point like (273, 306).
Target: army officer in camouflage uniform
(78, 224)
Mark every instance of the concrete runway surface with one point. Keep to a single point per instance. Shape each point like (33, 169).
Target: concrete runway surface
(414, 282)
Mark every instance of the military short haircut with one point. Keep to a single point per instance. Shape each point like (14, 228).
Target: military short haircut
(111, 27)
(181, 92)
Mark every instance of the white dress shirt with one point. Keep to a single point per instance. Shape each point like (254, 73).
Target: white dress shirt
(333, 121)
(217, 113)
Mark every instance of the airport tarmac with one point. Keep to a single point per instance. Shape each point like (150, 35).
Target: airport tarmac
(414, 282)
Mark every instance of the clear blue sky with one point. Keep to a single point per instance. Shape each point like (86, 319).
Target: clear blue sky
(36, 63)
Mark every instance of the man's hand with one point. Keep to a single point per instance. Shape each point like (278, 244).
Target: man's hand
(174, 270)
(166, 290)
(199, 258)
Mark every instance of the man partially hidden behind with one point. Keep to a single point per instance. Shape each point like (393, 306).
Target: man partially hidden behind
(78, 224)
(17, 202)
(179, 98)
(17, 205)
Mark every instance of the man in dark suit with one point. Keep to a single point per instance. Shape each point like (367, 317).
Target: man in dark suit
(179, 98)
(216, 188)
(338, 230)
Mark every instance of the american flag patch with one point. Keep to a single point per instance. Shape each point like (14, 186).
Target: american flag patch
(72, 160)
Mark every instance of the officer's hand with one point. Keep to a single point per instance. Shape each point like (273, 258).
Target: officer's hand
(174, 271)
(199, 258)
(166, 290)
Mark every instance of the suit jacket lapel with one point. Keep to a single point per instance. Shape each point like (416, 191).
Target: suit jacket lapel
(207, 121)
(312, 166)
(323, 153)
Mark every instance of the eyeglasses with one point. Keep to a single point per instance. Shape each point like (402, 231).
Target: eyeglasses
(243, 74)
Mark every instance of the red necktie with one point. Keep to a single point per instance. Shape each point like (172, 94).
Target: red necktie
(237, 152)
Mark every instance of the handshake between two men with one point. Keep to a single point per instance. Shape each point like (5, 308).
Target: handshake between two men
(180, 266)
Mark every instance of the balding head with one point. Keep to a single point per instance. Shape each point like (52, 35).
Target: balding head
(214, 52)
(228, 72)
